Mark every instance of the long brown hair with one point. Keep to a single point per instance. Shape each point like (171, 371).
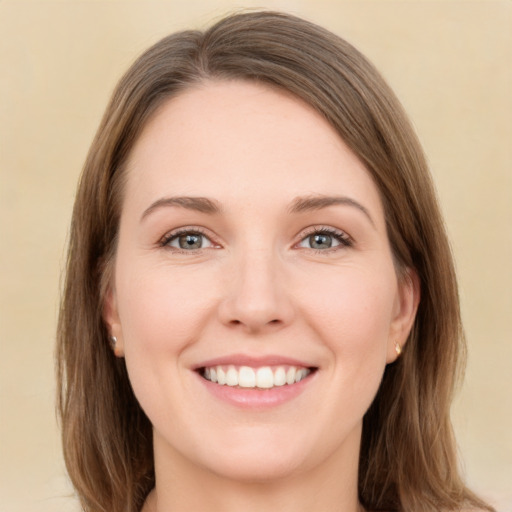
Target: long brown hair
(408, 458)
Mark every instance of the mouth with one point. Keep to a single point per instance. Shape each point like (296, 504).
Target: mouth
(262, 377)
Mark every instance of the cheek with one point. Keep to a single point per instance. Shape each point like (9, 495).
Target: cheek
(353, 317)
(161, 308)
(162, 312)
(354, 308)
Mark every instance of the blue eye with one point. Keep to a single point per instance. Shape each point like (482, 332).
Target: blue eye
(188, 241)
(325, 239)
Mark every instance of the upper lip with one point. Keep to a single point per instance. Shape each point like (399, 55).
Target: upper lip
(253, 361)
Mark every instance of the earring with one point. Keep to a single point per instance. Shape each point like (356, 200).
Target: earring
(118, 352)
(398, 348)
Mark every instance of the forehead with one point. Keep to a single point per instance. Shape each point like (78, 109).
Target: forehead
(234, 140)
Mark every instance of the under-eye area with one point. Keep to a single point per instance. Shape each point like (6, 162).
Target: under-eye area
(264, 377)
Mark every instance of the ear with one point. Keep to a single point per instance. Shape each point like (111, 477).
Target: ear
(405, 308)
(111, 319)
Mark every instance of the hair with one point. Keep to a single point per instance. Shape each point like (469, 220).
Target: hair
(408, 458)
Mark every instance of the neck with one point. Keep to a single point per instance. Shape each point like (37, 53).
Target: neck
(330, 486)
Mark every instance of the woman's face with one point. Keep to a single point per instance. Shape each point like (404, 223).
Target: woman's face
(253, 251)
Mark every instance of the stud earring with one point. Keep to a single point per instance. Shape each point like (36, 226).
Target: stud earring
(118, 352)
(398, 348)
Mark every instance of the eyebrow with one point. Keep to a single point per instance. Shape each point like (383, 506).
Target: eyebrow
(198, 204)
(298, 205)
(311, 203)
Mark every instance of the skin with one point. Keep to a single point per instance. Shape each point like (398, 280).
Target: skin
(257, 287)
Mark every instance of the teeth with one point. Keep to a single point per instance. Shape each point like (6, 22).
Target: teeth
(279, 377)
(232, 377)
(246, 377)
(264, 377)
(299, 375)
(221, 376)
(290, 375)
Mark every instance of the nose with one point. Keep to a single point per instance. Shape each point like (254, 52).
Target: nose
(257, 298)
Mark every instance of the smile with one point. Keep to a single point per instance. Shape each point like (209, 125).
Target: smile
(264, 377)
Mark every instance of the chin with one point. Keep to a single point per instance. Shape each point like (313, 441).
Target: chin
(257, 468)
(260, 457)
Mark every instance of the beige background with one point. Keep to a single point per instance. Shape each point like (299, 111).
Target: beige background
(450, 63)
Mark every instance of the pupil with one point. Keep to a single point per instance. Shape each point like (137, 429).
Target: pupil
(321, 241)
(190, 241)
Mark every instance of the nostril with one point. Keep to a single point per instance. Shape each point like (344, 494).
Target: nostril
(239, 322)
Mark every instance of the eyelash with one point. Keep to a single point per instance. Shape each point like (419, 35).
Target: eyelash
(167, 238)
(343, 239)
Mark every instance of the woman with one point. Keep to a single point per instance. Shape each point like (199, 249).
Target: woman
(260, 307)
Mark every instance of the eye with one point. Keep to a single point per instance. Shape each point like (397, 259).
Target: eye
(325, 239)
(187, 240)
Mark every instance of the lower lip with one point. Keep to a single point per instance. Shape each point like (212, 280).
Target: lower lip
(255, 398)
